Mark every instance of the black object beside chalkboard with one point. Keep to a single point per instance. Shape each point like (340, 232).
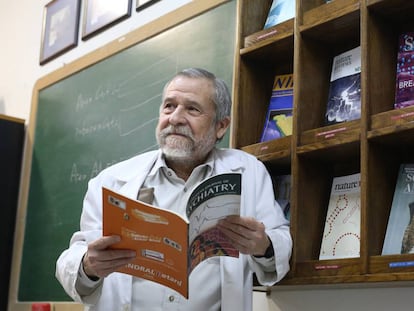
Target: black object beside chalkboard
(11, 149)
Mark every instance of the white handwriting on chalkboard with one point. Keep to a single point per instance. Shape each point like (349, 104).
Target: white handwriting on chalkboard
(105, 125)
(99, 166)
(84, 101)
(77, 175)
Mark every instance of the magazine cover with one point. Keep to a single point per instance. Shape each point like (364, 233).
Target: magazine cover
(404, 89)
(282, 188)
(280, 11)
(344, 99)
(278, 122)
(208, 204)
(170, 246)
(341, 236)
(399, 237)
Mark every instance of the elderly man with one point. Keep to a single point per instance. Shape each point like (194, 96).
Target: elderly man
(194, 115)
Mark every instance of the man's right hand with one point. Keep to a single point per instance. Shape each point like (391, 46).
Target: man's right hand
(100, 261)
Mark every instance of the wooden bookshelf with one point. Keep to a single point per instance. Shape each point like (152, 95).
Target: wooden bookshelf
(374, 145)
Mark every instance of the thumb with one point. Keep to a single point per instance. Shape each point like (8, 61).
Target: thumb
(105, 242)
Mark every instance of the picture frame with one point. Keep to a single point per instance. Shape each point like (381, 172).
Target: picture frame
(101, 14)
(143, 4)
(60, 28)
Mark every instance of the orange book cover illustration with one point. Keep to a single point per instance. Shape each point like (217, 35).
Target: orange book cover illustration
(169, 246)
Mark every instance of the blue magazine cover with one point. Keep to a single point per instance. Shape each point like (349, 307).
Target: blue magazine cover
(280, 11)
(278, 122)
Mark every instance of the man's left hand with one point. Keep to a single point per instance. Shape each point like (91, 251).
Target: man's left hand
(246, 234)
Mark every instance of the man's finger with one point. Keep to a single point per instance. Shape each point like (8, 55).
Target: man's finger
(105, 242)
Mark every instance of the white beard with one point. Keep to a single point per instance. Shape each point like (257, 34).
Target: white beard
(178, 147)
(185, 147)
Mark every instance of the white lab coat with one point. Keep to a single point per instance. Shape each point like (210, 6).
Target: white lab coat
(236, 275)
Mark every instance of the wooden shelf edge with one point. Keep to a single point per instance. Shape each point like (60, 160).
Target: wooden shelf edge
(283, 285)
(268, 36)
(388, 122)
(270, 150)
(329, 136)
(373, 2)
(392, 264)
(357, 280)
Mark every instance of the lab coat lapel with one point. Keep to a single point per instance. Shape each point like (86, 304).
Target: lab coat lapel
(144, 165)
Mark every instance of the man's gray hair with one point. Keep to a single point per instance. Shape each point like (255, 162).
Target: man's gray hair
(221, 96)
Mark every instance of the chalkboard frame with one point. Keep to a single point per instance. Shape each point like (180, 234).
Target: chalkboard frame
(168, 21)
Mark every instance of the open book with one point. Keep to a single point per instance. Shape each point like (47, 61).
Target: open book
(168, 246)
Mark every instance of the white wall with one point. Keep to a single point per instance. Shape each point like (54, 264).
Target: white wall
(20, 31)
(340, 297)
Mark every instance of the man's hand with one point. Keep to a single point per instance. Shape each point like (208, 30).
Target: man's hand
(246, 234)
(99, 261)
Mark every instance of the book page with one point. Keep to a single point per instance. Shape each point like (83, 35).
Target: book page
(159, 237)
(212, 200)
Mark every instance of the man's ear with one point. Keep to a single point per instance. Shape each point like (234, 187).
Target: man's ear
(221, 127)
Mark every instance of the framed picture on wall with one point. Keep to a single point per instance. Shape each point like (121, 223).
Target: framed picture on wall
(101, 14)
(60, 28)
(142, 4)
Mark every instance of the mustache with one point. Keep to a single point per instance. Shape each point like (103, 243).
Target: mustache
(181, 130)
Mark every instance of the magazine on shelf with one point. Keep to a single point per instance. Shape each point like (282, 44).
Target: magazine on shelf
(404, 89)
(344, 99)
(280, 11)
(169, 246)
(282, 188)
(278, 122)
(341, 235)
(399, 236)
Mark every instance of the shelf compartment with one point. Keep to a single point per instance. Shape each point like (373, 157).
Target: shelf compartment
(274, 50)
(386, 21)
(331, 20)
(385, 156)
(313, 70)
(258, 67)
(397, 11)
(314, 174)
(252, 16)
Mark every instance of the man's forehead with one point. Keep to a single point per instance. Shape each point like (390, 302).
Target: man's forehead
(188, 83)
(191, 88)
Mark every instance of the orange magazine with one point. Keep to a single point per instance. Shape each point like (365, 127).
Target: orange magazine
(168, 246)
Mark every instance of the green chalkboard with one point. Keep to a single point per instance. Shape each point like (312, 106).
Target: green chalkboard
(100, 115)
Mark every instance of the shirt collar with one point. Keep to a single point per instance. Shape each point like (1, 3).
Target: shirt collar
(161, 164)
